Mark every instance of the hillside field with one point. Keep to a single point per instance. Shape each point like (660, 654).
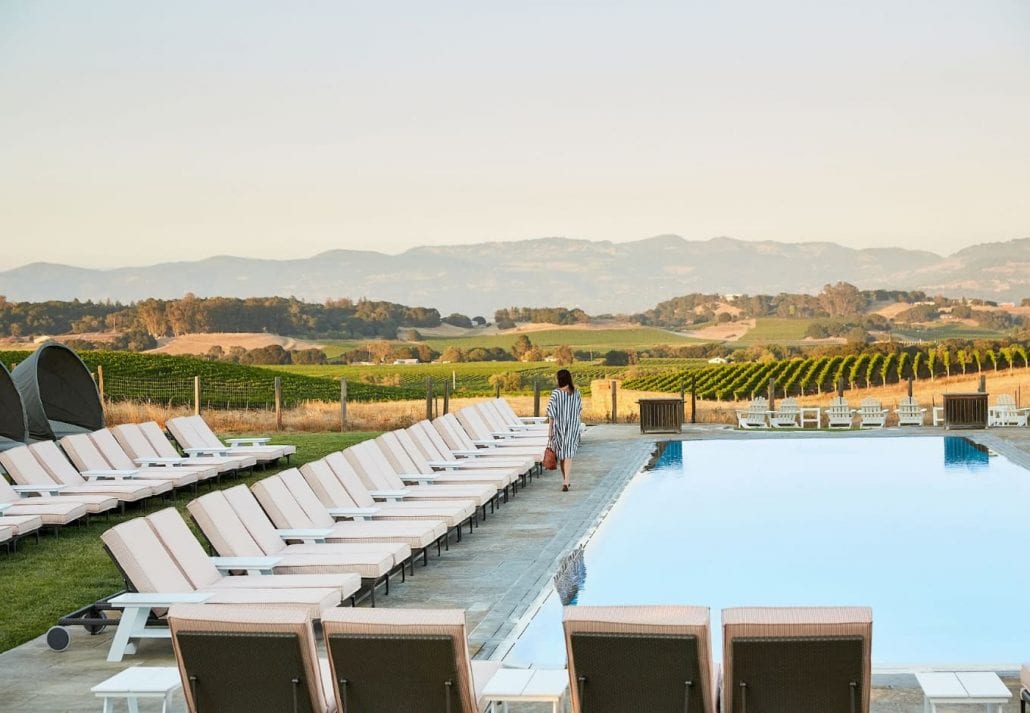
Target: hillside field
(600, 340)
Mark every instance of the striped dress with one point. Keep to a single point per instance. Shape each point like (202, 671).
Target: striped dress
(563, 410)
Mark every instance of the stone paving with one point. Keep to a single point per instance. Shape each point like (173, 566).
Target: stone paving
(495, 574)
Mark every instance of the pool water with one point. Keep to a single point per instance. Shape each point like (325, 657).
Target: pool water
(931, 533)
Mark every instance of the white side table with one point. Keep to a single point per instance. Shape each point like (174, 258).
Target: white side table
(938, 415)
(527, 685)
(962, 688)
(133, 622)
(138, 682)
(810, 415)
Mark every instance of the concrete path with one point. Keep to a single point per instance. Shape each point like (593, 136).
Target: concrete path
(494, 574)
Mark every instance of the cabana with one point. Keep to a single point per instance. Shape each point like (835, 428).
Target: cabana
(14, 427)
(58, 393)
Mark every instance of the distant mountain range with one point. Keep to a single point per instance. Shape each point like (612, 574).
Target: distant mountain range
(597, 276)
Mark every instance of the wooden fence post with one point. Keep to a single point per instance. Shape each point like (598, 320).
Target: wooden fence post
(100, 384)
(497, 390)
(772, 394)
(446, 397)
(196, 395)
(536, 396)
(429, 398)
(693, 398)
(343, 404)
(278, 403)
(615, 403)
(982, 388)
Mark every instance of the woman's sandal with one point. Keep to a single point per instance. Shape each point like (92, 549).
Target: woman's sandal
(565, 487)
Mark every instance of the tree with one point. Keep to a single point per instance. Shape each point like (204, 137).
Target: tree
(841, 299)
(453, 355)
(563, 355)
(508, 380)
(521, 346)
(378, 351)
(457, 320)
(479, 321)
(616, 357)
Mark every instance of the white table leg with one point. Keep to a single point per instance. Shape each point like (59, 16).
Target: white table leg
(127, 626)
(133, 704)
(107, 705)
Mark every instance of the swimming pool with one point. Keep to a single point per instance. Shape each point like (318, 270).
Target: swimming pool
(929, 532)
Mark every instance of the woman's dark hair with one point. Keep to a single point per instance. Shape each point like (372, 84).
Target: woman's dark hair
(565, 379)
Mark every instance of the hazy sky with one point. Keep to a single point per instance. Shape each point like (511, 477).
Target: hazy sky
(133, 132)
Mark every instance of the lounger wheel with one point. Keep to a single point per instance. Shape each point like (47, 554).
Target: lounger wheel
(58, 638)
(97, 627)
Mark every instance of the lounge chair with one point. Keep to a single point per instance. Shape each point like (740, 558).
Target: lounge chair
(33, 480)
(505, 408)
(20, 526)
(756, 415)
(203, 572)
(784, 660)
(61, 470)
(291, 504)
(404, 660)
(787, 415)
(84, 454)
(236, 526)
(909, 412)
(872, 414)
(379, 474)
(33, 496)
(839, 414)
(6, 535)
(354, 497)
(164, 448)
(196, 437)
(480, 424)
(1004, 413)
(435, 449)
(496, 416)
(274, 662)
(459, 439)
(53, 512)
(423, 439)
(134, 450)
(402, 453)
(640, 658)
(389, 488)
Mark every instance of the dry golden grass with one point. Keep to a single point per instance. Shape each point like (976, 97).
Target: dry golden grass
(317, 416)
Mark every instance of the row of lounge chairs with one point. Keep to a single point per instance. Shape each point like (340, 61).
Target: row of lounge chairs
(870, 414)
(641, 658)
(367, 512)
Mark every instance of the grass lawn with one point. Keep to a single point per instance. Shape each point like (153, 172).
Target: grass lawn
(42, 582)
(775, 330)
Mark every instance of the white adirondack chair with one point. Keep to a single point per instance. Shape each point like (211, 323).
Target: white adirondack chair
(1004, 413)
(786, 416)
(756, 415)
(839, 414)
(872, 413)
(909, 412)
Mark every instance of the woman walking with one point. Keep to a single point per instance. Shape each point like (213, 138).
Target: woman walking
(563, 413)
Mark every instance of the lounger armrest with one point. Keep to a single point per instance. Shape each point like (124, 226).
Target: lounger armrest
(27, 490)
(259, 441)
(444, 464)
(389, 495)
(533, 419)
(109, 474)
(208, 451)
(419, 478)
(306, 534)
(159, 461)
(158, 599)
(353, 513)
(485, 442)
(463, 453)
(251, 565)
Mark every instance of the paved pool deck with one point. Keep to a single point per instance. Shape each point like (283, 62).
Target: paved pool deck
(496, 574)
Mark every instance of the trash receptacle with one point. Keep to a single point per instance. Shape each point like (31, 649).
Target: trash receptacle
(661, 415)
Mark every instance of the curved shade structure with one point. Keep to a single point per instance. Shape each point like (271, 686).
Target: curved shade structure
(14, 427)
(58, 392)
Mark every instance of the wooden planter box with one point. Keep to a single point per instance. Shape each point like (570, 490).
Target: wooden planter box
(661, 415)
(965, 410)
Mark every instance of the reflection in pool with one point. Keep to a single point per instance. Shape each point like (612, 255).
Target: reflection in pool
(933, 544)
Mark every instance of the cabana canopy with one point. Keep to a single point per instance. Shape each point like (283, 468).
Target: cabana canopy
(14, 428)
(58, 392)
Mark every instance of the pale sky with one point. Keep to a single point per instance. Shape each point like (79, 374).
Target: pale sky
(134, 132)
